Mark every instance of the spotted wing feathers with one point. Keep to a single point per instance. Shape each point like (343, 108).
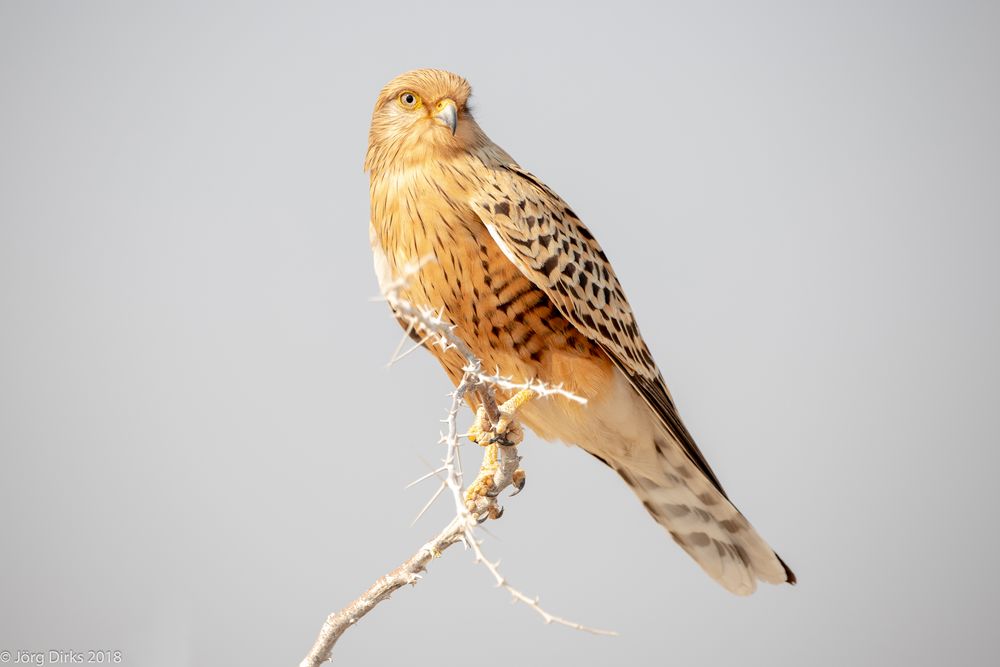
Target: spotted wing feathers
(543, 237)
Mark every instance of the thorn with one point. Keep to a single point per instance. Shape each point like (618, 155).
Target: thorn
(432, 473)
(430, 502)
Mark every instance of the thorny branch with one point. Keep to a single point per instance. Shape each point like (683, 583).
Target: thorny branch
(430, 325)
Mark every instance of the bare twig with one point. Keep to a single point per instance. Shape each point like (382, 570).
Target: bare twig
(435, 330)
(407, 573)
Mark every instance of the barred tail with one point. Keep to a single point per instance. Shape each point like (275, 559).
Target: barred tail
(703, 521)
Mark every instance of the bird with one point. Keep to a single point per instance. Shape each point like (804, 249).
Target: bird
(526, 286)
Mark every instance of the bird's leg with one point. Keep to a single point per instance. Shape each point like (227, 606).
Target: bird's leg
(499, 468)
(507, 431)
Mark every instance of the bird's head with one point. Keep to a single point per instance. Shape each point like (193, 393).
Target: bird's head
(421, 115)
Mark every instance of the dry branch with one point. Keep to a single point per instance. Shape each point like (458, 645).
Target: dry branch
(433, 329)
(407, 573)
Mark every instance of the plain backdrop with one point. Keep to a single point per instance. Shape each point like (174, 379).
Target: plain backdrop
(202, 452)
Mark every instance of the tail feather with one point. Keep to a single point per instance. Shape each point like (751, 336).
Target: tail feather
(703, 521)
(673, 480)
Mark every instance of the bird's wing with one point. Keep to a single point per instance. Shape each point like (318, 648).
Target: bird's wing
(542, 236)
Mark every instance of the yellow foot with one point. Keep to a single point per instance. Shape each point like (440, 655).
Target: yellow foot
(507, 431)
(480, 494)
(506, 428)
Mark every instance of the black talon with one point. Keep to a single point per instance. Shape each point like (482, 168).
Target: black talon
(492, 493)
(519, 487)
(499, 512)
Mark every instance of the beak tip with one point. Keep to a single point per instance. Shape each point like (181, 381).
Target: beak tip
(449, 117)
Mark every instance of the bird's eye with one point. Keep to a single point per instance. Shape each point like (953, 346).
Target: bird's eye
(408, 99)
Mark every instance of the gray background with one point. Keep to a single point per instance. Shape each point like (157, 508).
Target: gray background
(203, 452)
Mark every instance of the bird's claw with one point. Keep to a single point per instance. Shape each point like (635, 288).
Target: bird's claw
(502, 440)
(493, 512)
(480, 496)
(506, 433)
(517, 481)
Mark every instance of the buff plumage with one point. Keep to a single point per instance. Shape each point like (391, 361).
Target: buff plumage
(532, 293)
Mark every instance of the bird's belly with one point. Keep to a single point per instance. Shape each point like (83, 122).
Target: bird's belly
(511, 325)
(504, 318)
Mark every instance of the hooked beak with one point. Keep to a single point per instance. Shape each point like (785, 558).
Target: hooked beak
(447, 114)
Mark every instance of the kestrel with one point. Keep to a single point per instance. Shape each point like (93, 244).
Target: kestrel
(530, 291)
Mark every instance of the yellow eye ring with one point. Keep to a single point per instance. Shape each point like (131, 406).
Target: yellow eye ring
(408, 99)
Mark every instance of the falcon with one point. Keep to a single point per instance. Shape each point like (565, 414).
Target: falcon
(529, 290)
